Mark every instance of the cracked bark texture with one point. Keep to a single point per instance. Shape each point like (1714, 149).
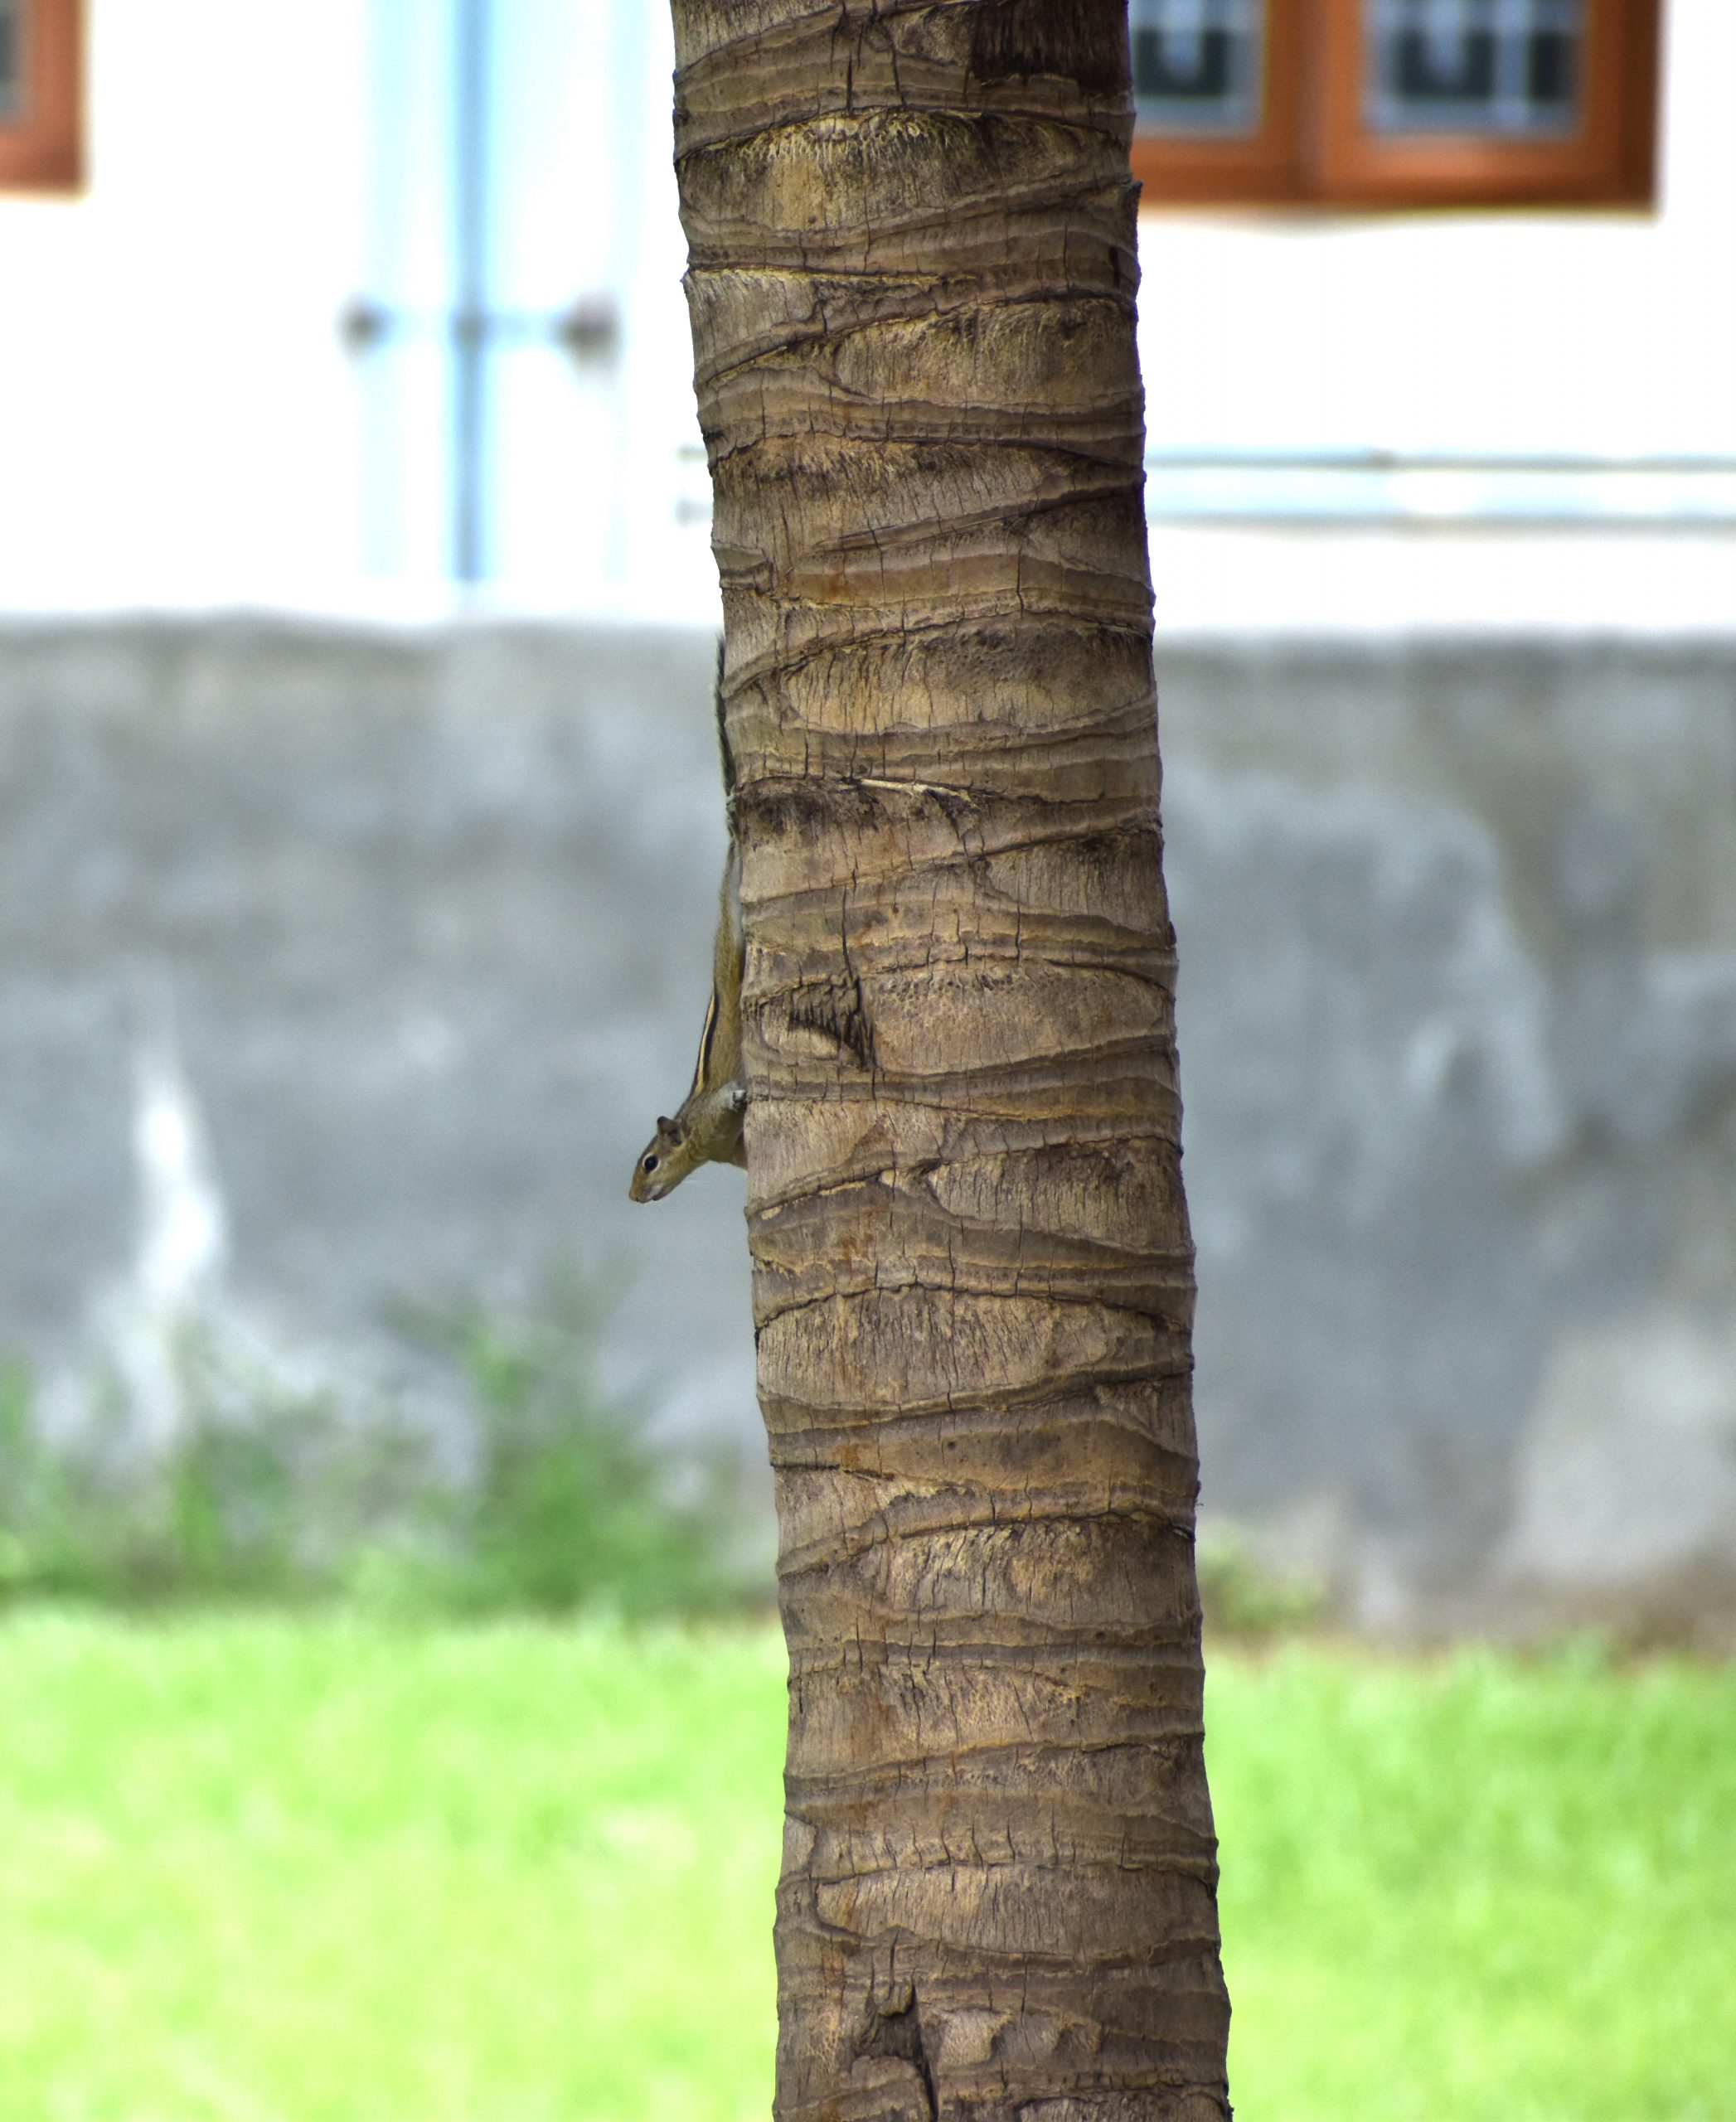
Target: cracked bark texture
(912, 276)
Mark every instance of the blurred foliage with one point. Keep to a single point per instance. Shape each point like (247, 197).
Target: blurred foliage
(569, 1504)
(283, 1487)
(279, 1489)
(1240, 1597)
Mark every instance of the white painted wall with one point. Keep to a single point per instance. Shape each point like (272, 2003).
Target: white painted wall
(184, 426)
(179, 420)
(1600, 332)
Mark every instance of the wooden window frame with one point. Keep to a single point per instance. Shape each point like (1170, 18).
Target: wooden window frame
(1313, 149)
(1185, 169)
(42, 148)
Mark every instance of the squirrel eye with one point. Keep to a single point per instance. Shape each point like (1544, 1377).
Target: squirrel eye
(649, 1165)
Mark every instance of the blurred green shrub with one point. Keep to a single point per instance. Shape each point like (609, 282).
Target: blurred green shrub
(570, 1504)
(273, 1489)
(267, 1491)
(1239, 1597)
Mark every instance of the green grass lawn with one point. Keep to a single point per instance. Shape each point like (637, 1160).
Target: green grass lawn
(284, 1870)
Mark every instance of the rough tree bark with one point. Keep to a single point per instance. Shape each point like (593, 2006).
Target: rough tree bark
(912, 281)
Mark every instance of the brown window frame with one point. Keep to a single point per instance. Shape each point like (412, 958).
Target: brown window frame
(1312, 148)
(42, 148)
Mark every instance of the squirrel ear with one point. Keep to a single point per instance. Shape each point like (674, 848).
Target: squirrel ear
(666, 1126)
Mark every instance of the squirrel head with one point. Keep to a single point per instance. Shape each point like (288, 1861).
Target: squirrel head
(664, 1162)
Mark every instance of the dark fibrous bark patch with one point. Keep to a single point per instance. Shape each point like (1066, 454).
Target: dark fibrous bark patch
(1081, 41)
(833, 1009)
(893, 2030)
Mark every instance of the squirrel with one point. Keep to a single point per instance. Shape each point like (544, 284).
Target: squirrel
(707, 1129)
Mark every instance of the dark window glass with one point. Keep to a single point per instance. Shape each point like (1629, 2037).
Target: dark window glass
(1549, 79)
(12, 60)
(1501, 66)
(1197, 65)
(1451, 69)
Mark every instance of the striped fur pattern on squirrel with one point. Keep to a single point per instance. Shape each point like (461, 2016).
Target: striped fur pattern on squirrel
(707, 1127)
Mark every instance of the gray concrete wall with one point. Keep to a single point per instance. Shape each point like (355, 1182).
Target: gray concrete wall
(1459, 1020)
(434, 912)
(1458, 1024)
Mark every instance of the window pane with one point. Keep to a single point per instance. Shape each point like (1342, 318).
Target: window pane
(11, 59)
(1510, 67)
(1196, 64)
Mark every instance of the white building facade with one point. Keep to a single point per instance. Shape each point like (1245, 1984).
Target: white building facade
(348, 316)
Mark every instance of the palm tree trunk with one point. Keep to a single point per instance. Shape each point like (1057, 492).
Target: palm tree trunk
(912, 280)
